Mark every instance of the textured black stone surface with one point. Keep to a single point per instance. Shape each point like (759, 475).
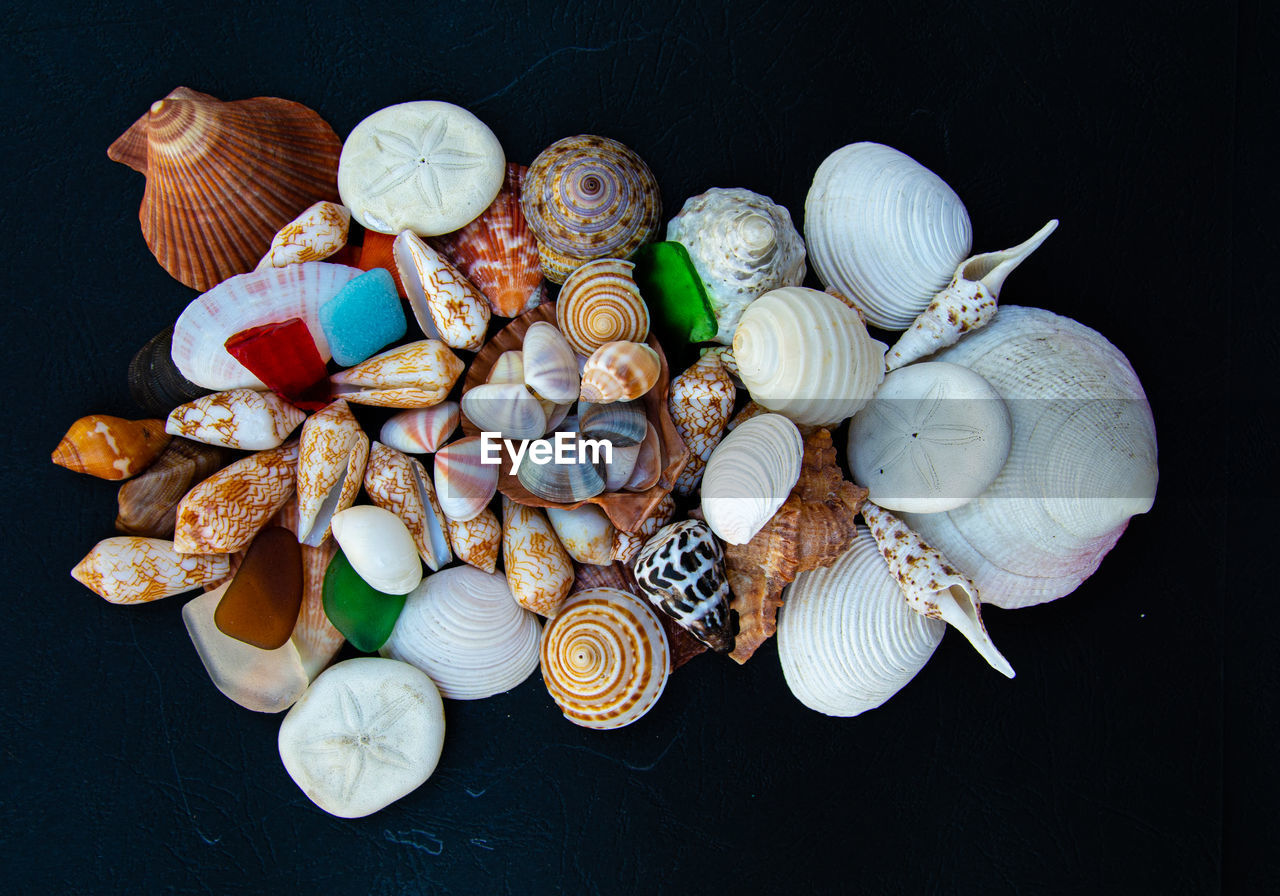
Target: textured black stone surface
(1128, 755)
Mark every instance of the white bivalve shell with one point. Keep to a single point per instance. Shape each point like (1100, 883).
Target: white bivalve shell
(884, 231)
(380, 548)
(421, 430)
(807, 355)
(1082, 459)
(750, 475)
(847, 639)
(742, 245)
(464, 629)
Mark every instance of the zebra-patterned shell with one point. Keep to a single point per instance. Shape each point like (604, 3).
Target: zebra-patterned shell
(681, 571)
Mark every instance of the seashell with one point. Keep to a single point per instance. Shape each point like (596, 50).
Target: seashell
(465, 483)
(601, 303)
(508, 409)
(725, 354)
(426, 166)
(749, 410)
(110, 447)
(331, 463)
(498, 252)
(647, 469)
(684, 646)
(379, 548)
(750, 475)
(417, 375)
(884, 231)
(222, 514)
(367, 732)
(126, 569)
(247, 301)
(238, 418)
(619, 371)
(463, 629)
(681, 571)
(585, 532)
(549, 367)
(805, 354)
(969, 302)
(589, 197)
(605, 658)
(622, 462)
(149, 502)
(477, 541)
(400, 484)
(743, 245)
(154, 381)
(813, 527)
(1082, 461)
(847, 639)
(539, 570)
(444, 302)
(577, 477)
(701, 403)
(314, 636)
(627, 544)
(314, 235)
(931, 585)
(222, 178)
(621, 422)
(509, 368)
(421, 430)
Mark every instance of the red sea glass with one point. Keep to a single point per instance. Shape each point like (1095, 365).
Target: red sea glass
(261, 605)
(284, 356)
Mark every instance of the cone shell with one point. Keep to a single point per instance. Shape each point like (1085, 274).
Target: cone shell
(445, 303)
(417, 375)
(223, 178)
(584, 532)
(750, 475)
(314, 235)
(605, 658)
(149, 502)
(701, 404)
(238, 418)
(333, 451)
(477, 541)
(126, 569)
(110, 447)
(154, 381)
(401, 485)
(465, 484)
(314, 636)
(421, 430)
(681, 571)
(222, 514)
(601, 303)
(619, 371)
(539, 570)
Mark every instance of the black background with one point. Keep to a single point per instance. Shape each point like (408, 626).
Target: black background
(1131, 754)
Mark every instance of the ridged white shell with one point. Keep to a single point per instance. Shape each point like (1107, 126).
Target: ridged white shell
(509, 409)
(884, 231)
(847, 639)
(237, 418)
(549, 366)
(380, 548)
(807, 355)
(742, 244)
(750, 475)
(1082, 461)
(463, 628)
(271, 295)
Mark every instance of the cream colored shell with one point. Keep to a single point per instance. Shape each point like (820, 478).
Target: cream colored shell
(400, 484)
(127, 569)
(539, 570)
(701, 404)
(444, 302)
(478, 540)
(314, 235)
(333, 452)
(416, 375)
(750, 475)
(380, 548)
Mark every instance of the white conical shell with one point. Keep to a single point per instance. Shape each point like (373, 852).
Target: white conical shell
(585, 532)
(238, 418)
(314, 235)
(742, 245)
(884, 231)
(750, 475)
(332, 454)
(379, 547)
(1082, 459)
(847, 639)
(807, 355)
(508, 409)
(463, 628)
(421, 430)
(444, 302)
(399, 483)
(549, 365)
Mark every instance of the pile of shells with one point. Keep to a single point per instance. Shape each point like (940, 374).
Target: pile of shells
(308, 452)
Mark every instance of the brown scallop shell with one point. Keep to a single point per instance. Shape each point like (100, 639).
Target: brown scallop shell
(223, 178)
(626, 510)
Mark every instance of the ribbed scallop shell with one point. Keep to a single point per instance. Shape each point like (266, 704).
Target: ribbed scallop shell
(238, 418)
(847, 638)
(478, 540)
(421, 430)
(222, 178)
(332, 455)
(619, 371)
(742, 245)
(807, 355)
(750, 475)
(314, 235)
(589, 197)
(463, 629)
(605, 658)
(884, 231)
(222, 514)
(417, 375)
(601, 303)
(1082, 461)
(251, 300)
(701, 404)
(126, 569)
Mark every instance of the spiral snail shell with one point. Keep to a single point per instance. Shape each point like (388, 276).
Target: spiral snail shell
(601, 303)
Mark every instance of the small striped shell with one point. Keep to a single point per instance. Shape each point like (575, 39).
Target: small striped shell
(601, 303)
(149, 502)
(222, 514)
(465, 484)
(126, 569)
(605, 658)
(589, 197)
(619, 371)
(421, 430)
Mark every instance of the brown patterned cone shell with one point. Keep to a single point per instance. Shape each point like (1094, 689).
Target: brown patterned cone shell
(477, 541)
(539, 569)
(332, 453)
(701, 404)
(224, 177)
(127, 569)
(400, 484)
(417, 375)
(149, 503)
(224, 513)
(111, 447)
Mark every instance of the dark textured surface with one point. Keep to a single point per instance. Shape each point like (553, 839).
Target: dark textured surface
(1112, 763)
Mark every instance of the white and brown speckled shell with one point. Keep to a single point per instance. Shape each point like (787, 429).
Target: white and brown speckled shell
(417, 375)
(477, 541)
(701, 404)
(539, 569)
(314, 235)
(238, 418)
(600, 302)
(127, 569)
(223, 514)
(332, 455)
(444, 302)
(400, 484)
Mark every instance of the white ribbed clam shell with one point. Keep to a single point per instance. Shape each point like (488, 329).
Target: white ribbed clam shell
(807, 355)
(549, 365)
(847, 639)
(884, 231)
(463, 628)
(750, 475)
(1082, 460)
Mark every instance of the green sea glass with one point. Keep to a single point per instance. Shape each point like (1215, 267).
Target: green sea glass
(363, 614)
(678, 305)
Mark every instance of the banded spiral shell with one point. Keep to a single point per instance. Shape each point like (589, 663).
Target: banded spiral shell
(601, 303)
(619, 371)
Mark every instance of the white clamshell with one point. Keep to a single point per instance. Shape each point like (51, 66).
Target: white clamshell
(508, 409)
(549, 366)
(379, 547)
(238, 418)
(421, 430)
(750, 475)
(465, 484)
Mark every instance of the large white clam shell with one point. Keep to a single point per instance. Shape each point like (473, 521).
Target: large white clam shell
(742, 245)
(750, 475)
(847, 639)
(463, 628)
(1082, 459)
(884, 231)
